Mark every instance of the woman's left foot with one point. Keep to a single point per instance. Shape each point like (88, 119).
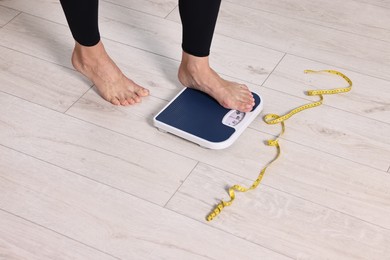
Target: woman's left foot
(195, 72)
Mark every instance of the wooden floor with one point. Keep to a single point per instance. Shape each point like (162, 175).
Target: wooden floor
(82, 179)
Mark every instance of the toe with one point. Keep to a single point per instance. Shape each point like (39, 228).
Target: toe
(136, 98)
(140, 91)
(243, 86)
(124, 102)
(247, 99)
(115, 101)
(130, 100)
(131, 97)
(246, 108)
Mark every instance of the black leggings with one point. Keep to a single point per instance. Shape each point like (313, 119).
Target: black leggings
(198, 20)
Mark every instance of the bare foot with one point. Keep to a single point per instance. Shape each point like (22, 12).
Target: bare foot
(195, 72)
(94, 63)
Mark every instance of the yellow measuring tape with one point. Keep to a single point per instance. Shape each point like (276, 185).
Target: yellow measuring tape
(275, 119)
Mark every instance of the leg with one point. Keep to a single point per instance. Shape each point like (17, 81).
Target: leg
(198, 19)
(91, 59)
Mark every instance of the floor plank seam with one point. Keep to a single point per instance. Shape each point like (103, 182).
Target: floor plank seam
(166, 17)
(82, 95)
(133, 10)
(272, 71)
(178, 188)
(128, 136)
(43, 18)
(138, 48)
(31, 102)
(10, 8)
(58, 233)
(37, 57)
(13, 18)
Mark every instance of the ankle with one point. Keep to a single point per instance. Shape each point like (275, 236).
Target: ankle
(194, 65)
(89, 55)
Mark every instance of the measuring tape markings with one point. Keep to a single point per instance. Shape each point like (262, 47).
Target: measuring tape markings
(276, 119)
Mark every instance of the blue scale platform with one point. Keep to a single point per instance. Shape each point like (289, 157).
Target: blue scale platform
(195, 116)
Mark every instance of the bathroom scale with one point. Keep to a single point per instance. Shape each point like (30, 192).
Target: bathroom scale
(199, 118)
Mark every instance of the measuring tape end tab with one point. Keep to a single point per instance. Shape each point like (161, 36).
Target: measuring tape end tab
(310, 92)
(272, 142)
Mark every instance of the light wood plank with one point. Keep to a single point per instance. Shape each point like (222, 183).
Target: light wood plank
(91, 151)
(38, 38)
(20, 239)
(381, 3)
(350, 51)
(352, 16)
(6, 15)
(159, 8)
(53, 42)
(51, 9)
(369, 96)
(48, 9)
(298, 228)
(110, 220)
(40, 82)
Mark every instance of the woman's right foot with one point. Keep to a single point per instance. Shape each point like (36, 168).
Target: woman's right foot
(112, 85)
